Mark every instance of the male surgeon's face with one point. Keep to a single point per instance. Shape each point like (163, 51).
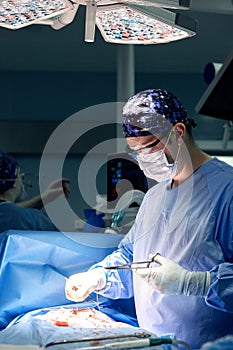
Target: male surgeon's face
(135, 143)
(149, 144)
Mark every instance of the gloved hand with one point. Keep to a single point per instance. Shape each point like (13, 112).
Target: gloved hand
(171, 278)
(94, 221)
(80, 285)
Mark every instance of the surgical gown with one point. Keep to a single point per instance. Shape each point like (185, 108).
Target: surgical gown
(191, 224)
(17, 218)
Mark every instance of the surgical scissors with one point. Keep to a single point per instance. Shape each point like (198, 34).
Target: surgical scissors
(133, 266)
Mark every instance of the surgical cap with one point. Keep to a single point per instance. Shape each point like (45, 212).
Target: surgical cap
(8, 171)
(153, 111)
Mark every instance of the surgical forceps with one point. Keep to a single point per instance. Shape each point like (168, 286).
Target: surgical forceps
(134, 265)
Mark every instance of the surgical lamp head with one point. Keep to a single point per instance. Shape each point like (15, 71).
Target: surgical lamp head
(153, 111)
(8, 171)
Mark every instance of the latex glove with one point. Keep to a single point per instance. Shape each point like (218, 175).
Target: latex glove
(171, 278)
(80, 285)
(55, 189)
(94, 221)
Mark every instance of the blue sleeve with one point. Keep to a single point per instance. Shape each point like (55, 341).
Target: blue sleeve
(119, 282)
(39, 221)
(220, 292)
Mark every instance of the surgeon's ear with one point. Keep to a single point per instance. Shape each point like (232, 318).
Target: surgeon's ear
(180, 131)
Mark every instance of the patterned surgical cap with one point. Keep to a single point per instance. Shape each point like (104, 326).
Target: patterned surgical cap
(8, 171)
(153, 111)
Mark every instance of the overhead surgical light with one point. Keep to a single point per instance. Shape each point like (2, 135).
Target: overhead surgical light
(91, 7)
(15, 14)
(119, 21)
(131, 24)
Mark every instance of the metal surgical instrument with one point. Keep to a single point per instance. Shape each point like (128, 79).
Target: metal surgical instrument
(140, 334)
(133, 266)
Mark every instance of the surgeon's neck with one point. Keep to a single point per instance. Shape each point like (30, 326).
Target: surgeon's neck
(197, 157)
(7, 196)
(2, 199)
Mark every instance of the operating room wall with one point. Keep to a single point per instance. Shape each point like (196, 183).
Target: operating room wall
(33, 104)
(56, 95)
(48, 98)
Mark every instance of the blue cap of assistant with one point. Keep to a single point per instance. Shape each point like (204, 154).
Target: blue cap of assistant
(8, 171)
(153, 111)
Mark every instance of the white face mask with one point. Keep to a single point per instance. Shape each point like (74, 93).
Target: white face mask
(155, 165)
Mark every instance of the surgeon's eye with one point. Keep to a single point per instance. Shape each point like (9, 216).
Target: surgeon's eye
(152, 145)
(146, 149)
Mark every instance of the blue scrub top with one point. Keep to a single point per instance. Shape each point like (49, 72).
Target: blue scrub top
(193, 226)
(13, 217)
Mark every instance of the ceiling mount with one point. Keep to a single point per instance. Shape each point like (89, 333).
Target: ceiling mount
(120, 22)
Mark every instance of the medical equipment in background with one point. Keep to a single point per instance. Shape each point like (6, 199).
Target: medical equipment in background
(120, 212)
(120, 21)
(124, 174)
(217, 100)
(210, 71)
(126, 187)
(228, 128)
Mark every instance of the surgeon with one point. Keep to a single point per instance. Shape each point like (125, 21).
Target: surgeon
(21, 217)
(184, 224)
